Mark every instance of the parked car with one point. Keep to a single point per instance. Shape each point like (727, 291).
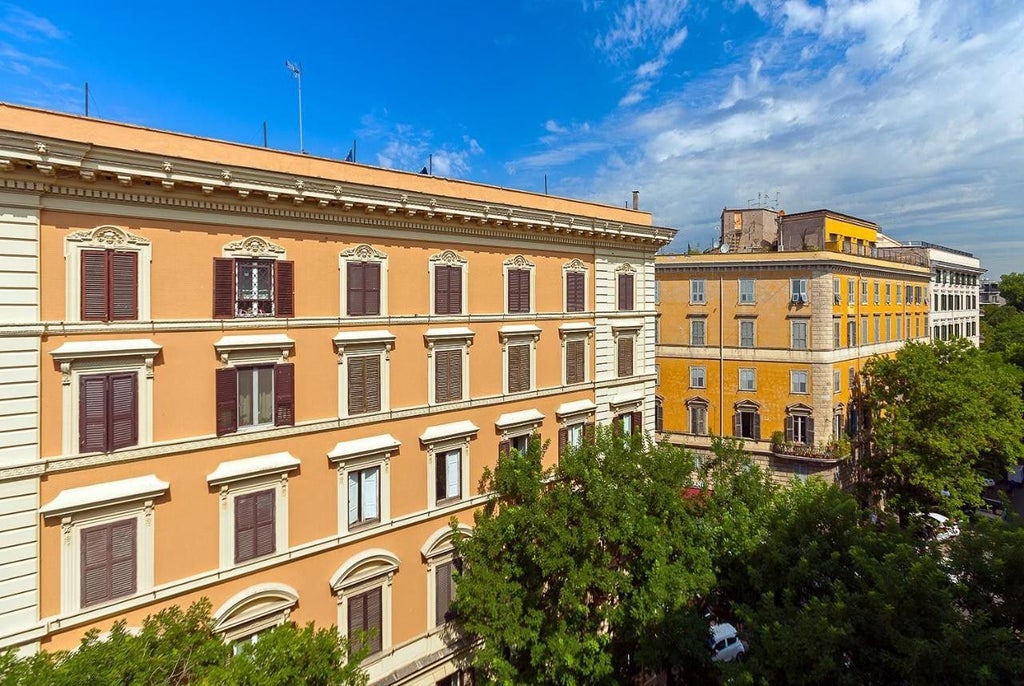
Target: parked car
(725, 643)
(938, 526)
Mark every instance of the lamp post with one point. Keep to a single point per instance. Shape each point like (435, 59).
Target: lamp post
(296, 70)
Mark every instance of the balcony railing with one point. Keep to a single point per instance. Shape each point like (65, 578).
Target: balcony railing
(833, 451)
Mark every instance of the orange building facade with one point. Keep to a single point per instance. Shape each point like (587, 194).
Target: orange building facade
(767, 344)
(272, 380)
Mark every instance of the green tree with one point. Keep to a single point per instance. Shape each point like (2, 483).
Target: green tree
(936, 411)
(1011, 287)
(585, 573)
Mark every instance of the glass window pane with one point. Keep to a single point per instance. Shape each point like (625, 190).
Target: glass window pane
(245, 397)
(353, 497)
(265, 402)
(370, 492)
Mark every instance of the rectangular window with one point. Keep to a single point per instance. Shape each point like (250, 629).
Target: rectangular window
(109, 561)
(448, 475)
(447, 289)
(888, 293)
(575, 361)
(108, 412)
(698, 417)
(629, 423)
(798, 334)
(851, 290)
(899, 294)
(253, 288)
(888, 327)
(899, 328)
(698, 377)
(837, 381)
(575, 291)
(364, 496)
(447, 375)
(746, 333)
(625, 355)
(837, 333)
(363, 384)
(798, 290)
(519, 368)
(697, 332)
(109, 285)
(747, 424)
(444, 591)
(365, 624)
(746, 291)
(877, 327)
(837, 296)
(518, 291)
(255, 396)
(852, 379)
(800, 429)
(851, 333)
(863, 292)
(748, 380)
(363, 288)
(798, 382)
(864, 340)
(625, 291)
(255, 530)
(877, 291)
(697, 292)
(570, 436)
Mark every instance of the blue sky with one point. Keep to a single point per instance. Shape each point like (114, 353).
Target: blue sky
(909, 113)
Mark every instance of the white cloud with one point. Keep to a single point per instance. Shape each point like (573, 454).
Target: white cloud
(404, 147)
(24, 25)
(641, 22)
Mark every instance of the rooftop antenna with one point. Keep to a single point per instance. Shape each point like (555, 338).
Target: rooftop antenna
(296, 70)
(87, 98)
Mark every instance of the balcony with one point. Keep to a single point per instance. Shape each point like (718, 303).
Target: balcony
(824, 453)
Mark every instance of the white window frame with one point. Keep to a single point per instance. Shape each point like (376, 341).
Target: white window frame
(105, 237)
(440, 439)
(851, 291)
(519, 262)
(364, 253)
(798, 291)
(251, 475)
(449, 338)
(357, 455)
(704, 331)
(513, 425)
(703, 373)
(629, 328)
(252, 248)
(358, 344)
(753, 292)
(437, 550)
(698, 293)
(837, 291)
(837, 381)
(793, 324)
(627, 268)
(519, 334)
(254, 610)
(573, 265)
(697, 404)
(753, 378)
(82, 358)
(363, 572)
(575, 414)
(794, 375)
(104, 503)
(575, 331)
(446, 258)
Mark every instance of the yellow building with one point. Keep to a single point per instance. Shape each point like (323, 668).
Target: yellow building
(272, 379)
(765, 339)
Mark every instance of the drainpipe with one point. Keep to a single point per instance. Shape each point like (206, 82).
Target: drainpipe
(721, 355)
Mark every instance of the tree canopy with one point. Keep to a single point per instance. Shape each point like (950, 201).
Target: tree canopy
(1011, 287)
(935, 411)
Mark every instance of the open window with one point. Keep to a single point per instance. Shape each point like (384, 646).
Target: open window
(447, 448)
(364, 481)
(252, 279)
(256, 386)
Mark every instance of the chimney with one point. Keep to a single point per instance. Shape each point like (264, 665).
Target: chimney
(636, 200)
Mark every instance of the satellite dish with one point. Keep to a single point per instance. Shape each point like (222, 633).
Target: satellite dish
(724, 249)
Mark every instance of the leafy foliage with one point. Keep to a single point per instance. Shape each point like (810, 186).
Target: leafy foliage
(585, 572)
(936, 410)
(1011, 287)
(180, 647)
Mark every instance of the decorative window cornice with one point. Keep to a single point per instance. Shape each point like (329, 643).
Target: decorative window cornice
(697, 400)
(799, 408)
(574, 265)
(748, 405)
(107, 494)
(254, 246)
(369, 564)
(626, 267)
(448, 257)
(364, 253)
(107, 236)
(519, 262)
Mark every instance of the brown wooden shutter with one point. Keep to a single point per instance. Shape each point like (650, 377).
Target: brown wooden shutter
(374, 624)
(447, 375)
(92, 414)
(455, 290)
(590, 432)
(563, 439)
(442, 592)
(372, 297)
(625, 291)
(223, 288)
(227, 401)
(245, 527)
(442, 286)
(574, 361)
(124, 412)
(524, 290)
(284, 289)
(638, 422)
(265, 531)
(356, 385)
(625, 350)
(356, 286)
(123, 544)
(575, 292)
(810, 431)
(789, 429)
(518, 368)
(373, 391)
(757, 426)
(504, 447)
(617, 425)
(737, 425)
(95, 565)
(284, 395)
(513, 290)
(356, 622)
(124, 285)
(95, 294)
